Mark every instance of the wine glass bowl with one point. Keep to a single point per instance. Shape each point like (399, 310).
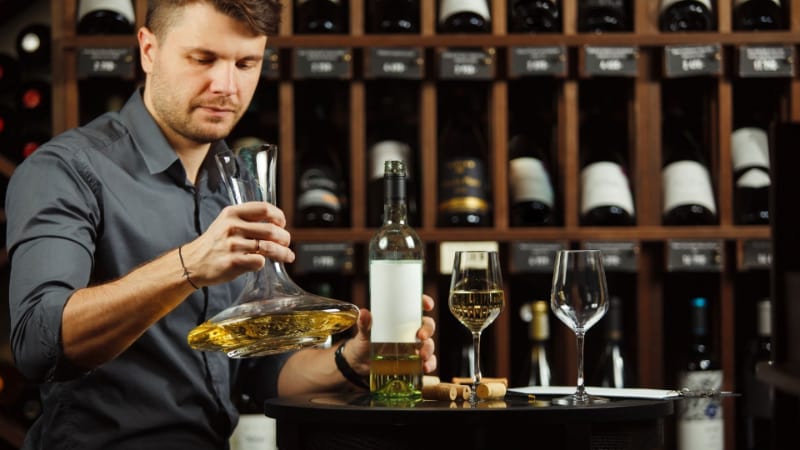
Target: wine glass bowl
(579, 298)
(476, 297)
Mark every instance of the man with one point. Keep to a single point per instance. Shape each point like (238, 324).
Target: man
(121, 242)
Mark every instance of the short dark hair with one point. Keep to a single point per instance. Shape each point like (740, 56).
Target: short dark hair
(263, 17)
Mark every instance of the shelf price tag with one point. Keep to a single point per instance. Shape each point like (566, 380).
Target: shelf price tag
(621, 256)
(694, 256)
(327, 257)
(692, 60)
(756, 254)
(399, 62)
(325, 63)
(106, 62)
(447, 252)
(537, 61)
(609, 61)
(271, 68)
(766, 61)
(467, 64)
(534, 257)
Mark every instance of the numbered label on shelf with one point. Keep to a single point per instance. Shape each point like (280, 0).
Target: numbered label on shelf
(403, 63)
(467, 64)
(609, 61)
(447, 252)
(692, 60)
(334, 63)
(766, 61)
(618, 256)
(318, 257)
(271, 68)
(535, 61)
(694, 256)
(756, 254)
(106, 62)
(534, 257)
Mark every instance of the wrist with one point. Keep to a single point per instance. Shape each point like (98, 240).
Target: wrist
(347, 370)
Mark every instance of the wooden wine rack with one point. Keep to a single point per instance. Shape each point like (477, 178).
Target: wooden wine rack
(651, 241)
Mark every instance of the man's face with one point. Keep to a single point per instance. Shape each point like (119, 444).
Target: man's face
(201, 74)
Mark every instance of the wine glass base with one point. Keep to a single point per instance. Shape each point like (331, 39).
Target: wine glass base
(579, 400)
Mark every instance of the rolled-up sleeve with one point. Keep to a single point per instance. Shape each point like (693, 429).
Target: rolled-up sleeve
(53, 221)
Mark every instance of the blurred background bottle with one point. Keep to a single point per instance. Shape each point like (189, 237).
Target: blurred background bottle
(758, 396)
(9, 72)
(686, 15)
(604, 16)
(613, 369)
(33, 46)
(751, 174)
(534, 16)
(464, 16)
(106, 17)
(320, 17)
(751, 15)
(532, 196)
(537, 371)
(392, 16)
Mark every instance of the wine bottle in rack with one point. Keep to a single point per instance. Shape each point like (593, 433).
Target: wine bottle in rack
(464, 16)
(751, 174)
(613, 368)
(751, 15)
(33, 46)
(534, 16)
(463, 149)
(33, 100)
(393, 16)
(758, 395)
(604, 16)
(320, 17)
(30, 140)
(396, 257)
(532, 196)
(537, 371)
(699, 420)
(686, 15)
(106, 17)
(9, 72)
(8, 128)
(688, 196)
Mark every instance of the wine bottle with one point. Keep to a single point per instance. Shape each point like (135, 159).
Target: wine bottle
(603, 16)
(758, 395)
(699, 420)
(463, 189)
(751, 15)
(606, 197)
(532, 197)
(393, 16)
(33, 45)
(30, 140)
(751, 174)
(254, 431)
(534, 16)
(686, 15)
(320, 17)
(613, 369)
(537, 371)
(9, 73)
(379, 153)
(396, 256)
(688, 197)
(8, 128)
(464, 16)
(34, 100)
(106, 17)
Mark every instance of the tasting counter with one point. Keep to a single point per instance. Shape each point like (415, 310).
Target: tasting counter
(355, 421)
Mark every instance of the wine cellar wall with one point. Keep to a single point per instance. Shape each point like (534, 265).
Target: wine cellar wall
(631, 134)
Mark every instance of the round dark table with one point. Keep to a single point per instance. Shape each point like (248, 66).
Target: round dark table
(354, 421)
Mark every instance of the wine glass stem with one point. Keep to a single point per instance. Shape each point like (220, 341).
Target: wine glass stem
(476, 348)
(581, 392)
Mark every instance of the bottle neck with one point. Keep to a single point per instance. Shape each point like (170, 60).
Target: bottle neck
(394, 203)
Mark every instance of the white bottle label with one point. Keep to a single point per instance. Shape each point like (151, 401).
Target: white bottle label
(700, 424)
(123, 7)
(388, 150)
(749, 147)
(739, 2)
(529, 181)
(449, 7)
(605, 183)
(667, 3)
(395, 296)
(687, 182)
(254, 432)
(754, 178)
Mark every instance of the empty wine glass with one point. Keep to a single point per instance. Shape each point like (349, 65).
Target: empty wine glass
(579, 299)
(476, 298)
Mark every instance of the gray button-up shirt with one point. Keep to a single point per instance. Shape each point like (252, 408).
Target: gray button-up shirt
(86, 208)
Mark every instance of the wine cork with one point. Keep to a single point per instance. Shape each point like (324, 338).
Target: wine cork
(430, 380)
(463, 391)
(439, 391)
(468, 380)
(491, 390)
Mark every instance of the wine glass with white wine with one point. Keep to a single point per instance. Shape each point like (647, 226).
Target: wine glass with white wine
(580, 299)
(476, 298)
